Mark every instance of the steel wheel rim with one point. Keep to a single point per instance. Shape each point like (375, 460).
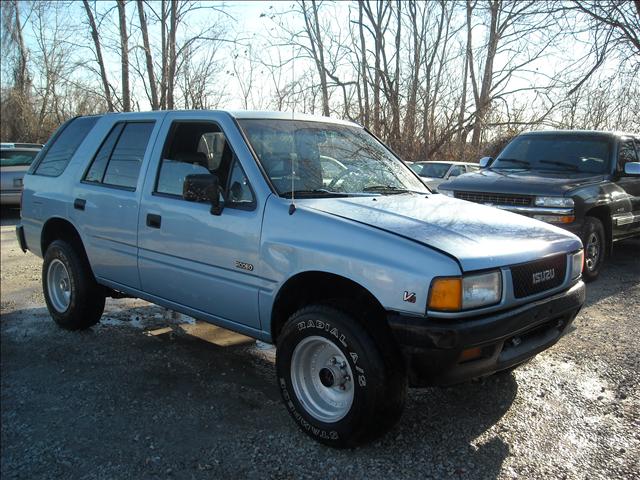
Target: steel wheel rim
(592, 251)
(322, 379)
(59, 285)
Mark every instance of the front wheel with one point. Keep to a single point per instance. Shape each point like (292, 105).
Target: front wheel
(594, 242)
(337, 381)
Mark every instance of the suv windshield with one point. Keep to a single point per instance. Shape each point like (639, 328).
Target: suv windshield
(433, 170)
(562, 153)
(323, 159)
(13, 158)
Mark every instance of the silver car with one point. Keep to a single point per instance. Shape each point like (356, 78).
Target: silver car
(433, 174)
(15, 159)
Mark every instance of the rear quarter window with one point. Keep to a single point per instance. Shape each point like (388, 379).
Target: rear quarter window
(65, 143)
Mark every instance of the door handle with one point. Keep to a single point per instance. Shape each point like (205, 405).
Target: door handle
(79, 203)
(153, 220)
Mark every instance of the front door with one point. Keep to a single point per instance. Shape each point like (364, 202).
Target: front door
(626, 218)
(187, 255)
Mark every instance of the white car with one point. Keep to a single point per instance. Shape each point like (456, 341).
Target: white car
(433, 174)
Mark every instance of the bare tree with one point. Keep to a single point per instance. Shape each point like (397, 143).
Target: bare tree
(153, 87)
(98, 51)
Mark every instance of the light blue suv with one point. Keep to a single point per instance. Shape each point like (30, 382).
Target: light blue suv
(301, 231)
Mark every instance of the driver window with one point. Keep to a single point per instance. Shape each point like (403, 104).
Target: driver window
(194, 148)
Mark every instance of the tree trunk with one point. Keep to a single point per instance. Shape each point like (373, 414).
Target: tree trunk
(364, 67)
(484, 98)
(124, 57)
(96, 43)
(147, 53)
(164, 55)
(172, 53)
(312, 27)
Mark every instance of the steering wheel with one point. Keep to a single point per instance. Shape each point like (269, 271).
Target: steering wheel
(341, 175)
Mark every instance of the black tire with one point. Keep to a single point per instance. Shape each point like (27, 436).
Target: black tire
(379, 379)
(86, 301)
(595, 247)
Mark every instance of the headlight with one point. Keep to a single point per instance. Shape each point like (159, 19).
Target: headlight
(448, 193)
(577, 260)
(554, 202)
(462, 293)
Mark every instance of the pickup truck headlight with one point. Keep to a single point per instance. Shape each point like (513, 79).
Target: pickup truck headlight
(448, 193)
(561, 202)
(577, 260)
(462, 293)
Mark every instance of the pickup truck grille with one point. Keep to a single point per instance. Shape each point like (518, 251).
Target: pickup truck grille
(535, 277)
(495, 198)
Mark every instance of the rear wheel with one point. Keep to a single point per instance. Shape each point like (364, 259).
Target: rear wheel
(337, 380)
(74, 299)
(594, 242)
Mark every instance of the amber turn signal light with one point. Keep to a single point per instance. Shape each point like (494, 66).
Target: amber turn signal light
(446, 294)
(470, 354)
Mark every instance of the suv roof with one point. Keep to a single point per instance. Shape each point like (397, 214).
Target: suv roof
(250, 114)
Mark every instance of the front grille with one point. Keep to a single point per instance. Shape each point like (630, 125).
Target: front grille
(495, 198)
(535, 277)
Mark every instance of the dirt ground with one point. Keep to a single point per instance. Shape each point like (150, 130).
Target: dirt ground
(151, 394)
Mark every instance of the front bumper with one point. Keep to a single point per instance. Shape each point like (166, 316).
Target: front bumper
(433, 348)
(10, 198)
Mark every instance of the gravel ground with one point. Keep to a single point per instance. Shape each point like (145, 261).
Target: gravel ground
(152, 394)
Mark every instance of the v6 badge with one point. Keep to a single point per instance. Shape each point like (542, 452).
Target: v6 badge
(409, 297)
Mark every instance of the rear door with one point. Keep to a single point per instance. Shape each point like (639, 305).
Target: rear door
(106, 200)
(204, 262)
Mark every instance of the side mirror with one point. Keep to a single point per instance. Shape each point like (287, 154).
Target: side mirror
(485, 162)
(632, 168)
(203, 187)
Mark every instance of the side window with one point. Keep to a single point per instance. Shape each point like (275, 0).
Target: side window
(472, 168)
(99, 164)
(626, 153)
(117, 162)
(239, 190)
(201, 148)
(456, 170)
(124, 165)
(58, 155)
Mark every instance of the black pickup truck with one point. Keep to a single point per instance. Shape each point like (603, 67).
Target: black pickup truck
(587, 182)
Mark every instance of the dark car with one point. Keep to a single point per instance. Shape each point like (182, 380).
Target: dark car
(587, 182)
(15, 159)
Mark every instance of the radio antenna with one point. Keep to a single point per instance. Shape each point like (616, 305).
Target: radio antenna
(292, 207)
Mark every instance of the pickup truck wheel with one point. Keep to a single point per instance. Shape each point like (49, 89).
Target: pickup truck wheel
(334, 378)
(594, 243)
(74, 299)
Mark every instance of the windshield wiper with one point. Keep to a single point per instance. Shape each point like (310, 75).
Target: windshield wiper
(513, 160)
(385, 189)
(562, 164)
(318, 192)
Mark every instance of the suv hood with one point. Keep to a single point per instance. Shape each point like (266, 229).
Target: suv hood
(527, 182)
(477, 236)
